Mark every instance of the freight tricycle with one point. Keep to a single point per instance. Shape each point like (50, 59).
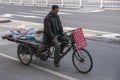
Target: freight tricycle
(28, 48)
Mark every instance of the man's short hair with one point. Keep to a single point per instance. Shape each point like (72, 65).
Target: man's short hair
(55, 7)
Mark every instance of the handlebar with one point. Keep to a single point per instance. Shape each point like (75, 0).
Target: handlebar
(68, 33)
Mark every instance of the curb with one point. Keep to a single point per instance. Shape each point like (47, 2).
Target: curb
(4, 20)
(104, 39)
(101, 36)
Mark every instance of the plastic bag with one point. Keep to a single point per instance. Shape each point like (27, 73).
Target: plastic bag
(7, 33)
(38, 36)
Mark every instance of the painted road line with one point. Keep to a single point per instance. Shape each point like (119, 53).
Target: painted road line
(9, 57)
(46, 12)
(84, 10)
(6, 15)
(63, 13)
(96, 10)
(70, 28)
(42, 68)
(40, 11)
(26, 16)
(36, 14)
(23, 24)
(117, 9)
(108, 37)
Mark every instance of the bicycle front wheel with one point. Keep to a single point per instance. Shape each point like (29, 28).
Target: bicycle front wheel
(82, 61)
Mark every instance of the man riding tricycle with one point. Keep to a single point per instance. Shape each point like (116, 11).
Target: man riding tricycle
(55, 42)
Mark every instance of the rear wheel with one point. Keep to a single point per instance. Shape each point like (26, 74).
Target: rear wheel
(24, 54)
(82, 60)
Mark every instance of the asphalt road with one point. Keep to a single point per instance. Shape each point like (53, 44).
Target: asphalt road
(107, 20)
(106, 65)
(105, 56)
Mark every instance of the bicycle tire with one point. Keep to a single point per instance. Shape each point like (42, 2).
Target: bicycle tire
(22, 51)
(79, 55)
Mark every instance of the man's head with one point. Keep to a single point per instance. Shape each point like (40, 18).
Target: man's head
(55, 9)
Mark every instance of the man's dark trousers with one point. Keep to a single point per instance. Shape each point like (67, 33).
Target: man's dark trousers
(57, 50)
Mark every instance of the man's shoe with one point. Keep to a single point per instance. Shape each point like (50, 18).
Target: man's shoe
(56, 64)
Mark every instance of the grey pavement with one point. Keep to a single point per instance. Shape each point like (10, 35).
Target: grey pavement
(105, 57)
(89, 34)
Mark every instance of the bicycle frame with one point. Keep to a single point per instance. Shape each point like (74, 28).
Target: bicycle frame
(66, 52)
(70, 46)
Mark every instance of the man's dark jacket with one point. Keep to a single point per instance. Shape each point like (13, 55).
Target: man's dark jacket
(50, 27)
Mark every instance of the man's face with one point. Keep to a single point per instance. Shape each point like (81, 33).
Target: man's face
(55, 11)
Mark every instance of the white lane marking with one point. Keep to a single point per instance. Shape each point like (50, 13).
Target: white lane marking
(70, 28)
(9, 57)
(40, 11)
(26, 16)
(7, 15)
(63, 13)
(103, 34)
(112, 35)
(42, 68)
(83, 10)
(112, 8)
(31, 13)
(96, 10)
